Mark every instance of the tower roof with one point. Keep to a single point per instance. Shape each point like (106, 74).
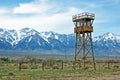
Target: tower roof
(83, 15)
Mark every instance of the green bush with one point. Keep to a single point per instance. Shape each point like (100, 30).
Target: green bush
(10, 74)
(5, 59)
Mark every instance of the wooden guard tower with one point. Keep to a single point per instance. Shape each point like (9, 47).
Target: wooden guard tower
(83, 29)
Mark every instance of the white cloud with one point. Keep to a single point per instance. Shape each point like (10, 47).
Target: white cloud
(43, 20)
(25, 8)
(3, 11)
(58, 22)
(44, 16)
(35, 7)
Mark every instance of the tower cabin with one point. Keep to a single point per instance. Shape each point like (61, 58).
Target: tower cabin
(83, 22)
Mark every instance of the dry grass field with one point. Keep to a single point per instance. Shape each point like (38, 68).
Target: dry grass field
(57, 70)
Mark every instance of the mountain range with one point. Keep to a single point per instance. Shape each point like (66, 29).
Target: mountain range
(30, 39)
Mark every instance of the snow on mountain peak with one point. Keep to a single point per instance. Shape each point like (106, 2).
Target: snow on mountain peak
(25, 29)
(107, 36)
(13, 36)
(26, 32)
(50, 35)
(1, 30)
(111, 36)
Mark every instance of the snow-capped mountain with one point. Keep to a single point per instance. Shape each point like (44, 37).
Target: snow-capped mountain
(107, 43)
(27, 38)
(108, 36)
(30, 39)
(6, 39)
(63, 41)
(108, 40)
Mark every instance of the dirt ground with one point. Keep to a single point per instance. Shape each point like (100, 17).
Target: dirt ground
(115, 76)
(110, 77)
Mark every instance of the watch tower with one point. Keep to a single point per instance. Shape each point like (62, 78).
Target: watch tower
(83, 45)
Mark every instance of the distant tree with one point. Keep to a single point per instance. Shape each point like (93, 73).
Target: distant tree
(26, 59)
(5, 59)
(39, 60)
(50, 62)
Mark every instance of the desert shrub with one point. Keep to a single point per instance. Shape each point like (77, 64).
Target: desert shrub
(55, 67)
(106, 67)
(34, 67)
(27, 59)
(16, 64)
(24, 66)
(115, 66)
(10, 74)
(47, 67)
(1, 64)
(49, 62)
(87, 67)
(66, 64)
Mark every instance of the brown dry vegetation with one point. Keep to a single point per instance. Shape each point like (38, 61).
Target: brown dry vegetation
(59, 70)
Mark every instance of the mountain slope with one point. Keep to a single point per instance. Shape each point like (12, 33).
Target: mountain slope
(30, 39)
(107, 43)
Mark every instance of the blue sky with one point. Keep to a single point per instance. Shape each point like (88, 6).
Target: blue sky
(56, 15)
